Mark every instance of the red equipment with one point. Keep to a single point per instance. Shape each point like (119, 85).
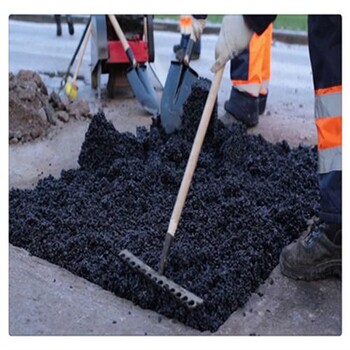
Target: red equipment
(107, 53)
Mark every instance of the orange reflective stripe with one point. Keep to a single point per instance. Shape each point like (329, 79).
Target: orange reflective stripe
(329, 132)
(253, 80)
(329, 90)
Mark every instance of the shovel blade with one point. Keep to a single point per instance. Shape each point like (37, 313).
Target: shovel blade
(143, 89)
(177, 88)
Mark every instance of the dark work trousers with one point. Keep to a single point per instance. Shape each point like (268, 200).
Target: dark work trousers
(325, 46)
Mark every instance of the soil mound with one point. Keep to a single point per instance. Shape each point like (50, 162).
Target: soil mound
(32, 111)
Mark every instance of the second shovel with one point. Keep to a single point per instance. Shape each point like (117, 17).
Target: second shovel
(177, 88)
(137, 74)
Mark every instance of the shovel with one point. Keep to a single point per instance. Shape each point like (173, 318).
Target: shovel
(71, 88)
(137, 74)
(177, 88)
(185, 296)
(66, 75)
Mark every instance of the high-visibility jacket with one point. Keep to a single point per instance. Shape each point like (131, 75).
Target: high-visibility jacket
(250, 71)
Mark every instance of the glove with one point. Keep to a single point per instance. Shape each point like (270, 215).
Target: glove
(198, 26)
(233, 38)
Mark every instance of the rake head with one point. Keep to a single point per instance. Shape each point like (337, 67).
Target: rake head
(186, 297)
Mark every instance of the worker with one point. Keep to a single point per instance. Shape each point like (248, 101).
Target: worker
(58, 20)
(318, 254)
(185, 25)
(250, 76)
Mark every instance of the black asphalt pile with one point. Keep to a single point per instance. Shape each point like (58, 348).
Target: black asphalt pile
(248, 199)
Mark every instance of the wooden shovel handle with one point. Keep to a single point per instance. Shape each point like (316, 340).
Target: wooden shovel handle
(189, 49)
(196, 148)
(86, 40)
(122, 39)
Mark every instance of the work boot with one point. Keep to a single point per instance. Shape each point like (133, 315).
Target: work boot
(70, 25)
(316, 256)
(243, 107)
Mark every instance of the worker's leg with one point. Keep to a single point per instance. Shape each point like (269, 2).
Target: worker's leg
(319, 254)
(247, 79)
(70, 24)
(58, 25)
(185, 24)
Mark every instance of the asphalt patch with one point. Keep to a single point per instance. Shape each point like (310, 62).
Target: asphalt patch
(248, 199)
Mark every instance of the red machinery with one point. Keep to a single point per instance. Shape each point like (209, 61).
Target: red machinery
(107, 53)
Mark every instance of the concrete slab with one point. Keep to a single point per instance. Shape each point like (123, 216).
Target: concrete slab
(45, 299)
(48, 300)
(282, 306)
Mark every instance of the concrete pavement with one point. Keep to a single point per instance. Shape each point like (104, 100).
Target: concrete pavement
(48, 300)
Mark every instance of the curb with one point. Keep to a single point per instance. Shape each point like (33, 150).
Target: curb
(281, 35)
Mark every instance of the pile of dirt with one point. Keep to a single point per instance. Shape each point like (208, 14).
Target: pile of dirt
(249, 198)
(32, 111)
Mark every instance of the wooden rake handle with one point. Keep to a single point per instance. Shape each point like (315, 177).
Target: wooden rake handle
(194, 155)
(122, 39)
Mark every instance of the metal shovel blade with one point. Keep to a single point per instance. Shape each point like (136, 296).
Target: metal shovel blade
(143, 89)
(176, 91)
